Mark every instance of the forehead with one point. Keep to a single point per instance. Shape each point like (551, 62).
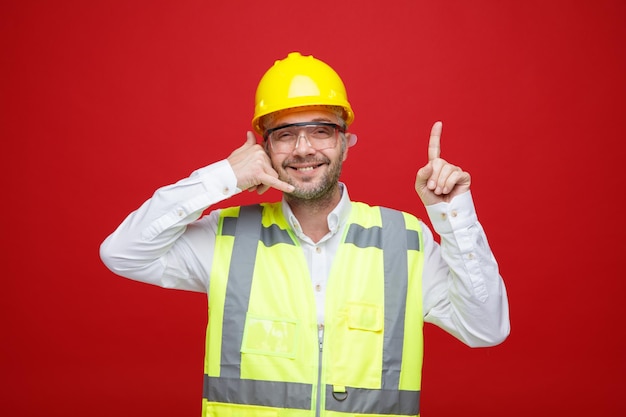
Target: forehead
(307, 115)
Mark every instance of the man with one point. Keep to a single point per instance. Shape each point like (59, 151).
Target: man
(316, 303)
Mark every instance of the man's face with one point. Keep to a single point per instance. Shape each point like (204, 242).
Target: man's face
(314, 173)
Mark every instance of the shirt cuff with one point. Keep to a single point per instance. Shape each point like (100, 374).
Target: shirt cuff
(459, 213)
(218, 179)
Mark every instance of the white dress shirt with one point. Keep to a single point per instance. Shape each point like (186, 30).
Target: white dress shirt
(167, 242)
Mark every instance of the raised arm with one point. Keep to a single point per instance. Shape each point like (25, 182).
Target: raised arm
(164, 243)
(464, 293)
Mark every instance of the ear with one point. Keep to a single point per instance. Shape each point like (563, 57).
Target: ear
(352, 139)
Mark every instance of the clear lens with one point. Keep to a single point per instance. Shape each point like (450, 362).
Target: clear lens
(320, 136)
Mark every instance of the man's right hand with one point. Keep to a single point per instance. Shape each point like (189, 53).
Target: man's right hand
(253, 168)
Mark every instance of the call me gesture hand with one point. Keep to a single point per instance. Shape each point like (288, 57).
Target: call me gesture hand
(439, 181)
(253, 168)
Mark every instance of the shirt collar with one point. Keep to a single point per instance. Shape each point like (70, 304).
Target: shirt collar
(336, 218)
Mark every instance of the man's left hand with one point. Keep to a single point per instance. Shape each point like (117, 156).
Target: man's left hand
(439, 181)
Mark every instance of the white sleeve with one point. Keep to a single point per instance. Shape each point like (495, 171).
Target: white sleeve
(464, 293)
(166, 242)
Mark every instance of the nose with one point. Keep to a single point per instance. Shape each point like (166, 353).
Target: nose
(307, 148)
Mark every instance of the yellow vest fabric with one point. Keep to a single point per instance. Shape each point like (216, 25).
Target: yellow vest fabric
(263, 353)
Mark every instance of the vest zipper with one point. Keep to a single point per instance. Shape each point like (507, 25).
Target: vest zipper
(319, 377)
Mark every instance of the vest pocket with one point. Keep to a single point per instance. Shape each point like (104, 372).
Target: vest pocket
(270, 336)
(355, 346)
(365, 317)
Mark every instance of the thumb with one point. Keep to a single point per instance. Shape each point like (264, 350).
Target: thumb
(421, 184)
(423, 175)
(250, 140)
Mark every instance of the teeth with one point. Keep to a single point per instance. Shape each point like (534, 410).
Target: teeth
(305, 169)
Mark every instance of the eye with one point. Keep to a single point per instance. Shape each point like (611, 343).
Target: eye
(284, 135)
(323, 131)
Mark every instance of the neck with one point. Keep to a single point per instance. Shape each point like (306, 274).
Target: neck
(312, 214)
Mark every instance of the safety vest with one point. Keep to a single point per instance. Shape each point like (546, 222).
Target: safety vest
(264, 356)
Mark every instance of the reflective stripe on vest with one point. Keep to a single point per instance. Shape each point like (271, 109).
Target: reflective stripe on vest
(395, 260)
(251, 392)
(248, 231)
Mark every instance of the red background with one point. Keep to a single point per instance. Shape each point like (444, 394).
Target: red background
(104, 101)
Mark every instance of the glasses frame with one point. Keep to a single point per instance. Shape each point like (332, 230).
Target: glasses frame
(268, 132)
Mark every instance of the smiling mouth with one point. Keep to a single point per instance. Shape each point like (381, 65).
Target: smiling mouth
(305, 168)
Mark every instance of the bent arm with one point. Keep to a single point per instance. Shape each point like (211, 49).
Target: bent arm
(464, 293)
(152, 244)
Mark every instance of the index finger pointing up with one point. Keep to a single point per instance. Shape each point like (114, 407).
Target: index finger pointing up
(434, 144)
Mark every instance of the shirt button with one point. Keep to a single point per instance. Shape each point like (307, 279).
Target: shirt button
(318, 288)
(454, 213)
(318, 249)
(443, 216)
(225, 190)
(470, 256)
(180, 212)
(320, 327)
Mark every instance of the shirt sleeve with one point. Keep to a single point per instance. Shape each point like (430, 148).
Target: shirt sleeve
(464, 293)
(152, 244)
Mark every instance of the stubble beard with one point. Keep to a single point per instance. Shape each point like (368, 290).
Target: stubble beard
(319, 194)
